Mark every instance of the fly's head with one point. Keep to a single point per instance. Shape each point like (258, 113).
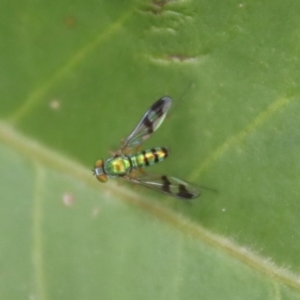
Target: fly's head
(99, 171)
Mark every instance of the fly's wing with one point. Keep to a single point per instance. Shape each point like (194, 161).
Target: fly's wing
(169, 185)
(152, 119)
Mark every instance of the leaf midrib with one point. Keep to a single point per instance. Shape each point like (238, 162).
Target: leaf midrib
(49, 158)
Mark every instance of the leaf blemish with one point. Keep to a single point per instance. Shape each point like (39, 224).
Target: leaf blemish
(156, 6)
(181, 58)
(175, 58)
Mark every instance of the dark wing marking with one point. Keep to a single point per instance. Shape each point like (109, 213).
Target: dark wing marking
(152, 119)
(169, 185)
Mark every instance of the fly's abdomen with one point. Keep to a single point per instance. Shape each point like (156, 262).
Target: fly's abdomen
(148, 157)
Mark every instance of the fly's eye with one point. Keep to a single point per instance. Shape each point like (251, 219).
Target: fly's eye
(102, 177)
(99, 164)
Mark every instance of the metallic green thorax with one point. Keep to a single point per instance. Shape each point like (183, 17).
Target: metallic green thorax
(123, 164)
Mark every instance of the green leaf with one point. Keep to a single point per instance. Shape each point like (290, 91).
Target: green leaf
(76, 77)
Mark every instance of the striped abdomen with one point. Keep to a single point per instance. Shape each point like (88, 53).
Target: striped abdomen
(148, 157)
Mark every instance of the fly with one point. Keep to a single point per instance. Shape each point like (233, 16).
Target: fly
(128, 162)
